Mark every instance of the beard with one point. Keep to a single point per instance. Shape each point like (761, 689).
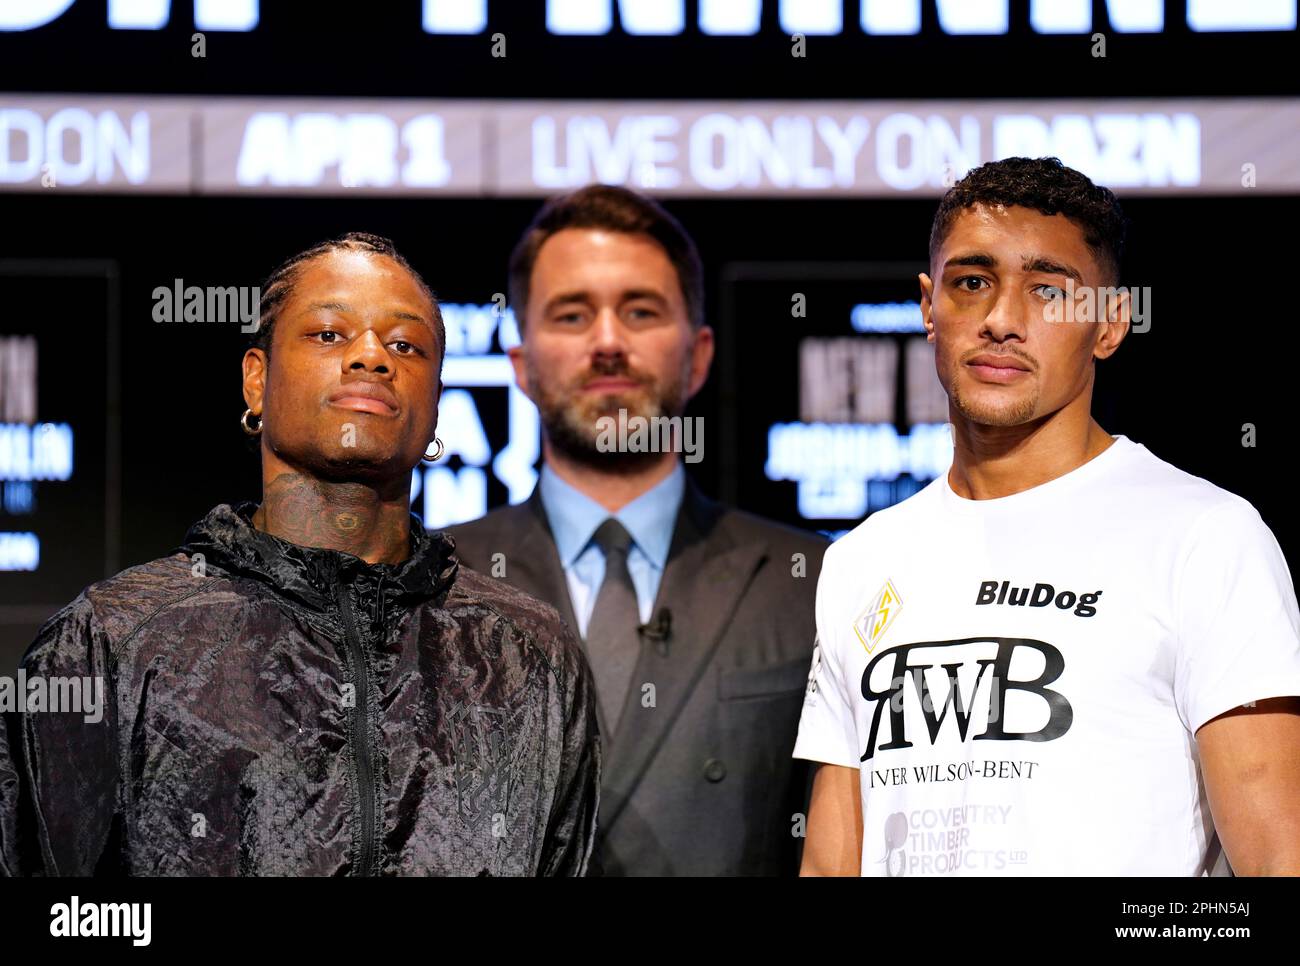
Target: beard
(570, 417)
(1013, 412)
(1005, 412)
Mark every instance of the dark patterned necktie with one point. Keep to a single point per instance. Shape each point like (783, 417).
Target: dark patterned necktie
(612, 640)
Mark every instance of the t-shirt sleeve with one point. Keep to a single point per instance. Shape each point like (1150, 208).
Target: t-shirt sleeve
(1238, 624)
(827, 730)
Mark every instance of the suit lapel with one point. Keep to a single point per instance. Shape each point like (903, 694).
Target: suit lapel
(535, 567)
(706, 574)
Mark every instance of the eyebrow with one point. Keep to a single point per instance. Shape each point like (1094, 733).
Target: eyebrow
(344, 307)
(584, 297)
(1030, 263)
(1046, 266)
(632, 295)
(976, 259)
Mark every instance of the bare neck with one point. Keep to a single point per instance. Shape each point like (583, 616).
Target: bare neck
(370, 521)
(996, 461)
(613, 491)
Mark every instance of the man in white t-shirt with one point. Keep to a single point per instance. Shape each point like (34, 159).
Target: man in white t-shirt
(1065, 656)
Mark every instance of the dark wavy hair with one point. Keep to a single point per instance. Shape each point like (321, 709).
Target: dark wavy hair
(1047, 186)
(616, 209)
(281, 283)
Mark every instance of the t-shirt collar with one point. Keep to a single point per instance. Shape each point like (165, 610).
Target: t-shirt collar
(1078, 476)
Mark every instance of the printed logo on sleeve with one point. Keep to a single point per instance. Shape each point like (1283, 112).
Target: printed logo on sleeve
(816, 667)
(880, 613)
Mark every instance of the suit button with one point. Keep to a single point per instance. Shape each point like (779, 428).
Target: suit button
(715, 770)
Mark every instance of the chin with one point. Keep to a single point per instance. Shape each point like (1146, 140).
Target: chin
(640, 405)
(352, 465)
(999, 415)
(996, 409)
(608, 404)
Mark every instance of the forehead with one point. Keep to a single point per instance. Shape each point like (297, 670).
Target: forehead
(592, 257)
(1013, 233)
(361, 276)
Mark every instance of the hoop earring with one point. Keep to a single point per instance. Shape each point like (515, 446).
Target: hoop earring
(437, 454)
(243, 422)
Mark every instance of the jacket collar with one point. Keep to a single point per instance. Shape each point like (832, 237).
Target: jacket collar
(227, 539)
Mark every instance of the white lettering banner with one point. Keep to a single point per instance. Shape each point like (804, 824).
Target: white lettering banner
(223, 146)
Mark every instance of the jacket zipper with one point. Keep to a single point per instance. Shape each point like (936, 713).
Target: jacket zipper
(360, 735)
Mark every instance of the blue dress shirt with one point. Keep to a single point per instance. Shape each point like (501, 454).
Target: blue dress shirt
(574, 517)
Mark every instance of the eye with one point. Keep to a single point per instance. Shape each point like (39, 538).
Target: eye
(333, 337)
(405, 348)
(1051, 293)
(642, 312)
(962, 283)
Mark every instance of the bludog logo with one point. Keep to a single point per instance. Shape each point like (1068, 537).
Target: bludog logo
(991, 592)
(880, 613)
(908, 660)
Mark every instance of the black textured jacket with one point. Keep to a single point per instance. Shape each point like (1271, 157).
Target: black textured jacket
(272, 709)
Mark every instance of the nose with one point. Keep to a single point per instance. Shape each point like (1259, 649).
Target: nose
(367, 353)
(1007, 318)
(609, 337)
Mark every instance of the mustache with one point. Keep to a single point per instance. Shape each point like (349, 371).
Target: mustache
(604, 367)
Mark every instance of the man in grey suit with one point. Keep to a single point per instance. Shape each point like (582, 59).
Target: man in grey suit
(697, 618)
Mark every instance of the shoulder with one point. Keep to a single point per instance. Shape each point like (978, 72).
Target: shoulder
(1188, 515)
(787, 582)
(893, 523)
(501, 518)
(1149, 481)
(723, 525)
(476, 540)
(750, 526)
(110, 611)
(536, 622)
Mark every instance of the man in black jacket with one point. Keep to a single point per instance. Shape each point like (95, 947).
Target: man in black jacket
(697, 617)
(312, 685)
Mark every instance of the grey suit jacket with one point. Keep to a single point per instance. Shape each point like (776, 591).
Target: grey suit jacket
(699, 780)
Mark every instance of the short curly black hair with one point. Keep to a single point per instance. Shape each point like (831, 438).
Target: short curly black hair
(1047, 186)
(280, 285)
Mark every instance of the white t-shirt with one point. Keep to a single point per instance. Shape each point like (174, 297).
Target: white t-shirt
(1071, 639)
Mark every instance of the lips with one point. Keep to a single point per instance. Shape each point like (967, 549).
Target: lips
(610, 384)
(365, 397)
(993, 367)
(993, 360)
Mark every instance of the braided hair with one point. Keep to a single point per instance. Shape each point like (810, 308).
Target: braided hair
(280, 285)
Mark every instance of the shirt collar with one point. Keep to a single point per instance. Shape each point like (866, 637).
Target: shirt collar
(227, 538)
(650, 518)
